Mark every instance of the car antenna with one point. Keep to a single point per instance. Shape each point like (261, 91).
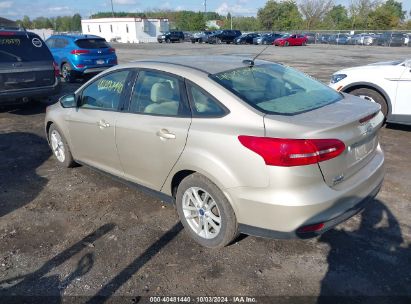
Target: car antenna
(250, 62)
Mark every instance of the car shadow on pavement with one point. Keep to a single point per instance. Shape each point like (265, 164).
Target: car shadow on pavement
(39, 287)
(368, 265)
(123, 276)
(21, 154)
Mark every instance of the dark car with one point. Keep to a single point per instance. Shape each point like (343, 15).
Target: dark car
(27, 68)
(390, 39)
(267, 38)
(311, 37)
(224, 36)
(338, 39)
(324, 38)
(79, 55)
(201, 37)
(246, 38)
(174, 36)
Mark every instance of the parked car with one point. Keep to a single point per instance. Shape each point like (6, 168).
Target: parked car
(291, 40)
(338, 39)
(311, 38)
(187, 36)
(246, 38)
(238, 145)
(27, 68)
(407, 39)
(386, 83)
(174, 36)
(324, 38)
(390, 39)
(267, 38)
(78, 55)
(224, 36)
(201, 37)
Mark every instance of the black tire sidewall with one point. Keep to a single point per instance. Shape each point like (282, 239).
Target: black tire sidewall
(229, 226)
(69, 76)
(375, 96)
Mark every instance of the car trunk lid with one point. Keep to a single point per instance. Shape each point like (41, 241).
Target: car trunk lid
(352, 120)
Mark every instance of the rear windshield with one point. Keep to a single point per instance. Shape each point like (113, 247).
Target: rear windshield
(19, 48)
(92, 43)
(275, 89)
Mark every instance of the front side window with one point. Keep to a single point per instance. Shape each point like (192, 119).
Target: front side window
(276, 89)
(157, 93)
(105, 93)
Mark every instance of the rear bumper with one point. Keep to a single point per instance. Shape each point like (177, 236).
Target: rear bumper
(275, 213)
(93, 69)
(15, 96)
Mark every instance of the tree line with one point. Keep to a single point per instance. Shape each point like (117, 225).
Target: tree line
(276, 15)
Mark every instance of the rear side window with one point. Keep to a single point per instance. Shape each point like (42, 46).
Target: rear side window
(20, 48)
(157, 93)
(203, 104)
(276, 89)
(92, 43)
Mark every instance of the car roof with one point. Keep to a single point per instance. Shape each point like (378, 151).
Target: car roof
(207, 64)
(76, 36)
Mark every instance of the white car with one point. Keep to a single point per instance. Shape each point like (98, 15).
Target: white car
(386, 83)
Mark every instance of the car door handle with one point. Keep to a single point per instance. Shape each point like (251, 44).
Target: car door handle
(165, 134)
(103, 124)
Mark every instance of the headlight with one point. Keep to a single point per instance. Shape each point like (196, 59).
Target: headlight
(337, 77)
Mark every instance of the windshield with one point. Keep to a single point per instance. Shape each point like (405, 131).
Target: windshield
(19, 48)
(275, 89)
(92, 43)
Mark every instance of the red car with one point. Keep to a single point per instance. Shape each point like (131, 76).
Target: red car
(290, 40)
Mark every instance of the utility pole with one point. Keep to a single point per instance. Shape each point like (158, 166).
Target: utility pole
(205, 9)
(231, 21)
(112, 9)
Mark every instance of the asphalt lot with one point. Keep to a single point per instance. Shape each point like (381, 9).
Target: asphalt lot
(76, 232)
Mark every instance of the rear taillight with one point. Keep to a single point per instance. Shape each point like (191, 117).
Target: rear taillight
(56, 69)
(286, 152)
(7, 33)
(79, 52)
(111, 50)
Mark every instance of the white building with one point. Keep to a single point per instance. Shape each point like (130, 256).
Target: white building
(126, 30)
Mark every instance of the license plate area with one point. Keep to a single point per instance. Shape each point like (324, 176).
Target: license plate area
(362, 149)
(100, 61)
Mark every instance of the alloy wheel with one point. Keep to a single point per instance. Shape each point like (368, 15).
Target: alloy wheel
(201, 212)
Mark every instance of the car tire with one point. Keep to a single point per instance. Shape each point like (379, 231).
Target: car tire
(265, 42)
(181, 40)
(60, 148)
(218, 41)
(372, 95)
(168, 40)
(67, 72)
(304, 43)
(286, 43)
(216, 210)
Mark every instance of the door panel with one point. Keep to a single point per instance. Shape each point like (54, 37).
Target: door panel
(92, 134)
(149, 146)
(92, 125)
(402, 105)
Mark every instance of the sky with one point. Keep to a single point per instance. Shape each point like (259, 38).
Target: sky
(16, 9)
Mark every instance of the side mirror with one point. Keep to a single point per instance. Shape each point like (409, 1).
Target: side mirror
(68, 101)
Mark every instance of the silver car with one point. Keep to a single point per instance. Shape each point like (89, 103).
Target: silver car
(240, 146)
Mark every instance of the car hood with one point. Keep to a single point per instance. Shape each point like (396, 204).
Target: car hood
(386, 67)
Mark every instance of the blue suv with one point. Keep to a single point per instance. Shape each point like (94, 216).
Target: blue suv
(79, 55)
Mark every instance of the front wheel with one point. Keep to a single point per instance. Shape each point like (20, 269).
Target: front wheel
(372, 95)
(286, 43)
(205, 212)
(60, 147)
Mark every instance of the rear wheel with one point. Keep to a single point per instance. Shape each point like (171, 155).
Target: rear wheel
(286, 43)
(67, 72)
(60, 147)
(168, 40)
(205, 212)
(372, 95)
